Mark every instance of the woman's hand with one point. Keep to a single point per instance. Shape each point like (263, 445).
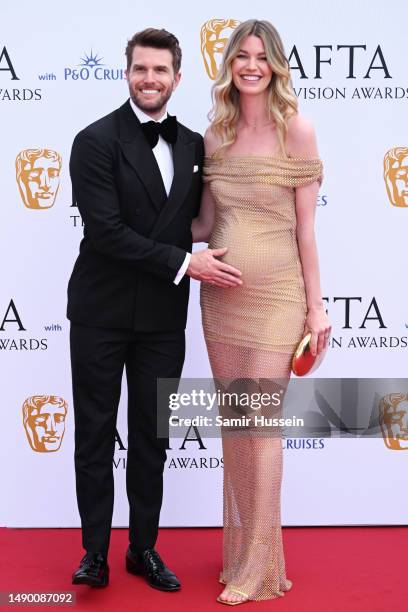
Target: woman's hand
(318, 324)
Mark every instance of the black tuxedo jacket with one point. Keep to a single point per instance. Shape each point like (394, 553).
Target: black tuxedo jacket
(135, 237)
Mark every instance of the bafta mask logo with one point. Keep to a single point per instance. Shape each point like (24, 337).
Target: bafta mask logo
(38, 177)
(396, 175)
(214, 36)
(44, 422)
(394, 420)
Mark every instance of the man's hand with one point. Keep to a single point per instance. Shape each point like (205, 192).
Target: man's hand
(206, 268)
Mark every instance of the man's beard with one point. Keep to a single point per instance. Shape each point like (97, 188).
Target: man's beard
(148, 107)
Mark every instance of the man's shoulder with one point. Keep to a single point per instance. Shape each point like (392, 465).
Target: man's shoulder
(189, 135)
(106, 127)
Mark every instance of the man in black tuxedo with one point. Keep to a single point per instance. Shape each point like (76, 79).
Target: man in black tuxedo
(136, 176)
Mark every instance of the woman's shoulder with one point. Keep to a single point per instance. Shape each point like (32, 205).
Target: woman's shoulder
(301, 137)
(211, 142)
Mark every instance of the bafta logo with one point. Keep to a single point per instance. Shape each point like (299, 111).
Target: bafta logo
(44, 422)
(214, 36)
(396, 175)
(394, 420)
(38, 177)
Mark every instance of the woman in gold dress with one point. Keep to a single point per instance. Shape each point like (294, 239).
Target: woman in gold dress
(262, 173)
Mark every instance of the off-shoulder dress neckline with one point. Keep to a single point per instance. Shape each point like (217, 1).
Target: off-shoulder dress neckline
(277, 157)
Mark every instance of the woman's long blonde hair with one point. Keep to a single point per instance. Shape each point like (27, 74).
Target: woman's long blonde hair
(282, 101)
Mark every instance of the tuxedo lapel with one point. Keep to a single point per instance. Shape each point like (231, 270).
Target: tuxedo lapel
(183, 161)
(140, 156)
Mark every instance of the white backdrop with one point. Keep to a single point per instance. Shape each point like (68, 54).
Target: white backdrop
(361, 239)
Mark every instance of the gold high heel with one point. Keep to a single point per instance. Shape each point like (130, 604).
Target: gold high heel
(236, 592)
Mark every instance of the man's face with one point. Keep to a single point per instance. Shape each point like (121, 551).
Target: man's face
(40, 182)
(47, 425)
(394, 425)
(151, 79)
(399, 179)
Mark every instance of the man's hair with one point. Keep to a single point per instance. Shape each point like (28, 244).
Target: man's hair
(158, 39)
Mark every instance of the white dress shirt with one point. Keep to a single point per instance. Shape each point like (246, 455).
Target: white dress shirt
(164, 156)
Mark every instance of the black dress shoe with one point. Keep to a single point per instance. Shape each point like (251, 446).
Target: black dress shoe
(150, 565)
(93, 570)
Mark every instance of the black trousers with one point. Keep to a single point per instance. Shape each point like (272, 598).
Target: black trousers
(98, 357)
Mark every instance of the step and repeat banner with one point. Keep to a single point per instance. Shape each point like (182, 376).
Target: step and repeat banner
(61, 68)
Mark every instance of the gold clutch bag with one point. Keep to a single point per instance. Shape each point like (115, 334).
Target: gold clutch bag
(303, 362)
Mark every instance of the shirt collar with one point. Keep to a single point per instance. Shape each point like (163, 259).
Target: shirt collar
(143, 118)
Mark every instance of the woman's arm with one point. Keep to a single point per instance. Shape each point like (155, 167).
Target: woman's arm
(204, 265)
(301, 142)
(202, 224)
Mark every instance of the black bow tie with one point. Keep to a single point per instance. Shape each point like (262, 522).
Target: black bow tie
(167, 129)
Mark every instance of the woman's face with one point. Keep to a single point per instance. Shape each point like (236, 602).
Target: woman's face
(251, 73)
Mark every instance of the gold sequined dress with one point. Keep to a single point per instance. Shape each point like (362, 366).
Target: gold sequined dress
(251, 332)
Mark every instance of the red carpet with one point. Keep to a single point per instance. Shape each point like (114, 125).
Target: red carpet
(334, 569)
